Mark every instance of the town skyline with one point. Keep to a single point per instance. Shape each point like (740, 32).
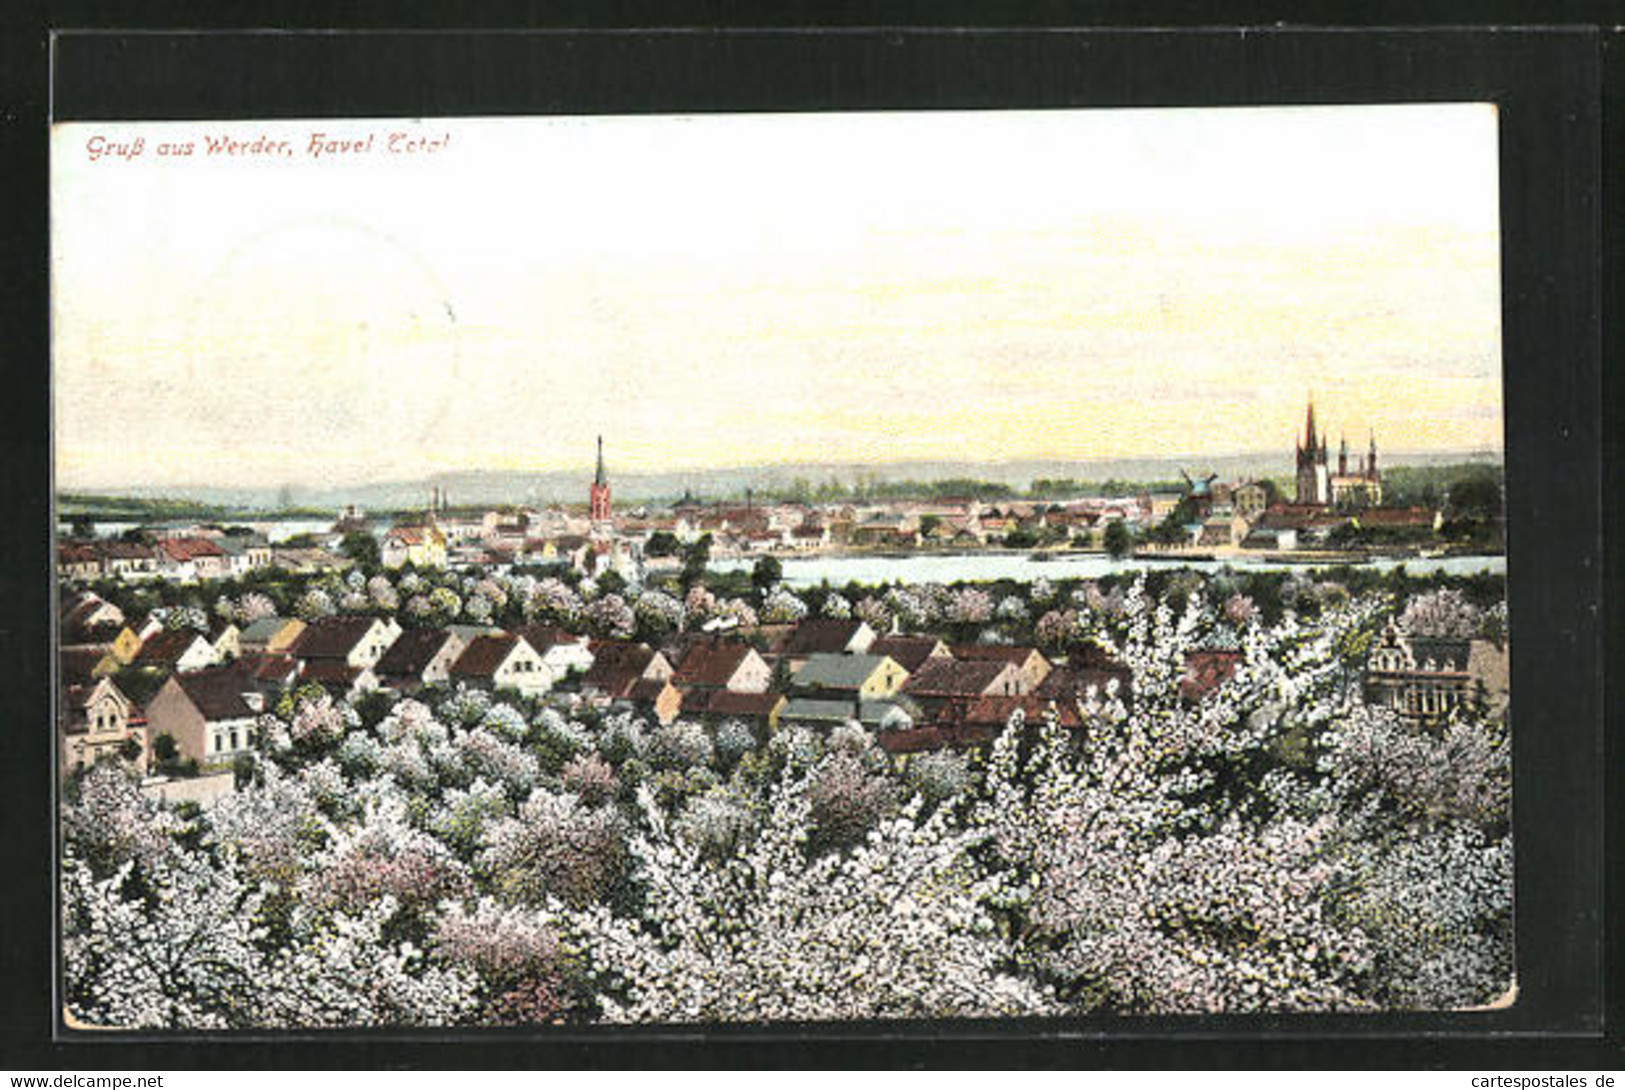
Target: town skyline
(862, 290)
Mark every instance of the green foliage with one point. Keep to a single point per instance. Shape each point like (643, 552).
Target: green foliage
(362, 548)
(766, 574)
(661, 543)
(1119, 540)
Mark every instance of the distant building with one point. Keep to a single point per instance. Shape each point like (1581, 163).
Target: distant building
(1317, 486)
(1426, 678)
(598, 493)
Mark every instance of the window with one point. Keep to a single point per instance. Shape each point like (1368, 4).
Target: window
(234, 739)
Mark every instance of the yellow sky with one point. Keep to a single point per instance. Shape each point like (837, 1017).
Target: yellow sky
(746, 289)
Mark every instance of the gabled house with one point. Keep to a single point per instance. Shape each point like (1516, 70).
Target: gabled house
(723, 664)
(191, 558)
(419, 657)
(180, 649)
(942, 682)
(358, 642)
(816, 713)
(654, 697)
(420, 546)
(1425, 678)
(212, 714)
(269, 635)
(502, 662)
(269, 673)
(338, 677)
(910, 652)
(87, 618)
(848, 677)
(618, 665)
(827, 636)
(98, 721)
(129, 559)
(226, 640)
(716, 705)
(564, 652)
(1030, 665)
(78, 560)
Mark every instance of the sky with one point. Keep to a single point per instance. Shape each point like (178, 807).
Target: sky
(738, 290)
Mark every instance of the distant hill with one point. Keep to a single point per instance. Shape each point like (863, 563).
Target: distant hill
(491, 487)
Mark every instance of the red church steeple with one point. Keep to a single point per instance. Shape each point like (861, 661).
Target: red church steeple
(598, 494)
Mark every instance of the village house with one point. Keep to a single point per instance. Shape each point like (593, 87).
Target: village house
(269, 673)
(245, 552)
(419, 657)
(129, 560)
(225, 638)
(816, 713)
(1425, 678)
(272, 635)
(565, 653)
(78, 560)
(357, 642)
(760, 710)
(1249, 500)
(941, 682)
(1031, 666)
(848, 677)
(654, 696)
(99, 723)
(502, 662)
(341, 680)
(211, 714)
(826, 636)
(722, 664)
(910, 652)
(87, 618)
(618, 665)
(308, 559)
(421, 546)
(180, 649)
(189, 559)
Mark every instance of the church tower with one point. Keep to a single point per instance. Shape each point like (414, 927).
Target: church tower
(598, 494)
(1314, 482)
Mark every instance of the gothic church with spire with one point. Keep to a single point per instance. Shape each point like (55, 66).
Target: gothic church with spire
(1349, 487)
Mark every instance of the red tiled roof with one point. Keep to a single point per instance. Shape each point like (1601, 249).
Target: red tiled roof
(648, 690)
(331, 637)
(331, 673)
(1396, 516)
(166, 648)
(993, 652)
(217, 692)
(820, 636)
(484, 655)
(952, 677)
(412, 652)
(909, 652)
(711, 664)
(182, 549)
(997, 710)
(268, 668)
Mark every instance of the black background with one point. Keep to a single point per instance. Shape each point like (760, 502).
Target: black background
(1555, 89)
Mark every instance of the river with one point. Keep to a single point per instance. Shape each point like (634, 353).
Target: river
(806, 571)
(275, 530)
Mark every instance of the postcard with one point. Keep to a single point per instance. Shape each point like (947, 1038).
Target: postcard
(780, 568)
